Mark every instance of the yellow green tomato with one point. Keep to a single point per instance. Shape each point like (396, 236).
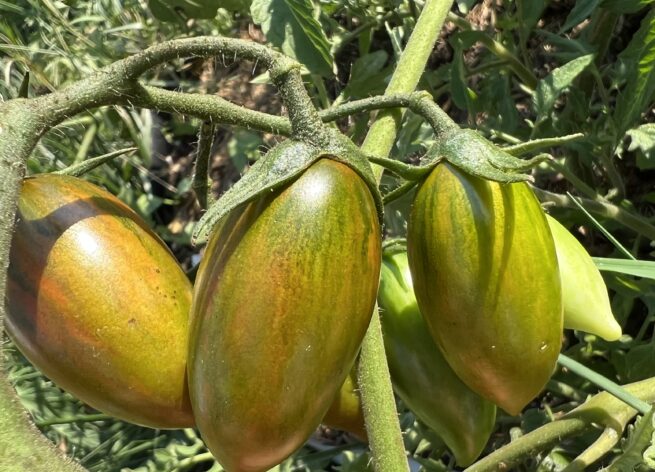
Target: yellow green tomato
(584, 294)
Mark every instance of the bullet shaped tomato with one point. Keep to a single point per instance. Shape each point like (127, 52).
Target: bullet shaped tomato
(421, 376)
(486, 279)
(98, 303)
(584, 294)
(283, 298)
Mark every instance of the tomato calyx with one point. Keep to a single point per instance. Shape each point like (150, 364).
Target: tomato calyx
(479, 157)
(281, 165)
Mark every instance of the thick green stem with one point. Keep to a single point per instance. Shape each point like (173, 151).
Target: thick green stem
(380, 413)
(408, 72)
(207, 107)
(306, 124)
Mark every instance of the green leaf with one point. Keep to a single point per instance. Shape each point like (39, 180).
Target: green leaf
(243, 146)
(291, 26)
(531, 11)
(639, 59)
(554, 84)
(458, 87)
(175, 10)
(625, 6)
(581, 11)
(643, 140)
(367, 75)
(626, 266)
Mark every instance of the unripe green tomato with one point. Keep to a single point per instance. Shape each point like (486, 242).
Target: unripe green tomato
(97, 302)
(487, 283)
(345, 412)
(283, 297)
(421, 376)
(584, 294)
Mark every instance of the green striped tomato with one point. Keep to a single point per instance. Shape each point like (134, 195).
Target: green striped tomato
(283, 298)
(486, 278)
(584, 294)
(98, 303)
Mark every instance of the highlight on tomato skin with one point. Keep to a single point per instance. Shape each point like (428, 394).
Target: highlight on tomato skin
(584, 294)
(283, 297)
(98, 303)
(421, 376)
(487, 282)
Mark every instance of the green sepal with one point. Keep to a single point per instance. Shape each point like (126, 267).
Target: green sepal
(81, 168)
(477, 156)
(281, 165)
(393, 246)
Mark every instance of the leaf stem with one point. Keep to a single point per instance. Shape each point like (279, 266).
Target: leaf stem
(201, 182)
(632, 221)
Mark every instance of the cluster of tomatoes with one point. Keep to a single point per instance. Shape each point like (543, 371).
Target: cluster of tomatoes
(256, 351)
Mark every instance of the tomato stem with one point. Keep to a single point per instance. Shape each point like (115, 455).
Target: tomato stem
(385, 440)
(201, 181)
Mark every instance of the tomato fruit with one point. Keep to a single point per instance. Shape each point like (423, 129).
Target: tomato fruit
(98, 303)
(486, 279)
(584, 294)
(421, 376)
(345, 412)
(283, 297)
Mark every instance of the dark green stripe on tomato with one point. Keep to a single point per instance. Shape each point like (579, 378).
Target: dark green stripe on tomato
(283, 298)
(486, 279)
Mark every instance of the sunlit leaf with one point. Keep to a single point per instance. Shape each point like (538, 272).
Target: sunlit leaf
(290, 25)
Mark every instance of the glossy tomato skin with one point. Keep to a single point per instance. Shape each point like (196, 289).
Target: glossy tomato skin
(584, 294)
(421, 376)
(486, 279)
(283, 298)
(98, 303)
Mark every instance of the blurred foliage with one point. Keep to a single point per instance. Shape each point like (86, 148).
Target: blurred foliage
(515, 70)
